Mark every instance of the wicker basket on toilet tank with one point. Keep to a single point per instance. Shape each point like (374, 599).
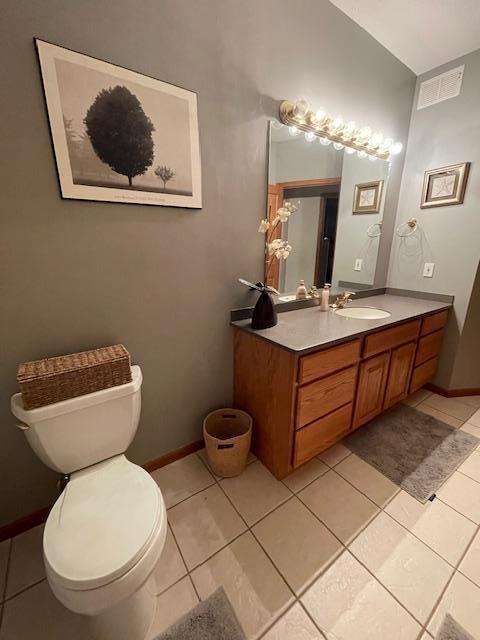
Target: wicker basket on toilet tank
(52, 380)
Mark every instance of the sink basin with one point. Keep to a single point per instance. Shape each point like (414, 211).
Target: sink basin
(363, 313)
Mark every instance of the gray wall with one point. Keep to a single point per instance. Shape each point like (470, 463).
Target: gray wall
(352, 239)
(301, 231)
(76, 275)
(440, 135)
(296, 159)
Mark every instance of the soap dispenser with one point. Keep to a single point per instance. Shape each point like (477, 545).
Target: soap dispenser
(301, 291)
(325, 297)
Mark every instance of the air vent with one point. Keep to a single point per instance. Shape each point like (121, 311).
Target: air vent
(442, 87)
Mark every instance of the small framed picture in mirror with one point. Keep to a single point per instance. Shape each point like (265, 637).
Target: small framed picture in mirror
(367, 197)
(445, 186)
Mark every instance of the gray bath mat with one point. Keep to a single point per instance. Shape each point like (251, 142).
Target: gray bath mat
(415, 451)
(212, 619)
(451, 630)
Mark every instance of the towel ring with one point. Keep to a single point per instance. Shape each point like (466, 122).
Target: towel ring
(412, 224)
(371, 230)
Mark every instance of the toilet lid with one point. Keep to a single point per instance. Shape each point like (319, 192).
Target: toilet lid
(102, 523)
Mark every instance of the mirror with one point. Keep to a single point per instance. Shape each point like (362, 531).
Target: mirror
(335, 226)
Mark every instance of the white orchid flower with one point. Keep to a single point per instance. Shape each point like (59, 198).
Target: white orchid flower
(264, 226)
(283, 214)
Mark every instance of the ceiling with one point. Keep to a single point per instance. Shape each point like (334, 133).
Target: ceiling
(423, 34)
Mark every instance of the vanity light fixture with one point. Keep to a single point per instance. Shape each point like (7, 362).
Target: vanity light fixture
(317, 124)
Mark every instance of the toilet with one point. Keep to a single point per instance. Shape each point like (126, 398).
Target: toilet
(106, 531)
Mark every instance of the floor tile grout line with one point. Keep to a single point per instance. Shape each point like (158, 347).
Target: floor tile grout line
(277, 569)
(358, 533)
(446, 412)
(3, 594)
(4, 590)
(464, 474)
(345, 546)
(449, 581)
(249, 529)
(172, 506)
(22, 591)
(194, 587)
(456, 510)
(383, 508)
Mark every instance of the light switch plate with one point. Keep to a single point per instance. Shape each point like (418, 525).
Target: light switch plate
(358, 264)
(428, 269)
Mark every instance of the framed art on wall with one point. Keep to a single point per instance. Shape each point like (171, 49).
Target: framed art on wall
(367, 197)
(445, 186)
(118, 135)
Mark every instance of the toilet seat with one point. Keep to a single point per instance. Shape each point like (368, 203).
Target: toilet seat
(102, 525)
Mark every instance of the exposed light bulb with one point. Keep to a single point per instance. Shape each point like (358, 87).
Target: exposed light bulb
(376, 139)
(310, 136)
(362, 154)
(364, 133)
(349, 150)
(396, 148)
(387, 144)
(337, 123)
(338, 146)
(293, 131)
(349, 129)
(300, 108)
(320, 116)
(325, 142)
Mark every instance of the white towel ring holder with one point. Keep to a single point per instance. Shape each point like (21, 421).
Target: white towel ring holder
(412, 228)
(371, 230)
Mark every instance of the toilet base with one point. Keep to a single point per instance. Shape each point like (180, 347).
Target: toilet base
(130, 619)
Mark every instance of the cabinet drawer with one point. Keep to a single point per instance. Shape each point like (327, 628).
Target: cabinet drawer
(390, 338)
(323, 396)
(321, 434)
(434, 323)
(429, 347)
(423, 374)
(322, 363)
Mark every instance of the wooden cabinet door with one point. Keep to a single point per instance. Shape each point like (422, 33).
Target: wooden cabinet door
(372, 381)
(401, 363)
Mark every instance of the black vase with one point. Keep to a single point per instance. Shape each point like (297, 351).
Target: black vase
(264, 314)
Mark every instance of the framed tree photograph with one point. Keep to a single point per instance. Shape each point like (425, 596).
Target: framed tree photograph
(367, 197)
(445, 186)
(118, 135)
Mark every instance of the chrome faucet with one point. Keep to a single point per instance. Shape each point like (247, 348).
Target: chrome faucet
(342, 299)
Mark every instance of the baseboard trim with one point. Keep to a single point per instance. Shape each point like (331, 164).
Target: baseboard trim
(23, 524)
(32, 520)
(452, 393)
(158, 463)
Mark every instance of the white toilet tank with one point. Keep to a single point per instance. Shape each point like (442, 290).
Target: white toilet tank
(79, 432)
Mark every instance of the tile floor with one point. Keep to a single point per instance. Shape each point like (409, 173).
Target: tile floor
(335, 551)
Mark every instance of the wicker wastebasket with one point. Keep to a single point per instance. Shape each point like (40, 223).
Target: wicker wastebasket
(227, 434)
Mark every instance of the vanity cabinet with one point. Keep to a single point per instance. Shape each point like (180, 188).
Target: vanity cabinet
(303, 404)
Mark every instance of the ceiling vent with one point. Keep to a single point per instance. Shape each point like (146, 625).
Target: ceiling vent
(446, 85)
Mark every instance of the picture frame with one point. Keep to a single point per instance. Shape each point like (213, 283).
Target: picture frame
(445, 186)
(367, 197)
(119, 135)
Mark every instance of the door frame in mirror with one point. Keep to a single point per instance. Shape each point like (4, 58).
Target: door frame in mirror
(276, 194)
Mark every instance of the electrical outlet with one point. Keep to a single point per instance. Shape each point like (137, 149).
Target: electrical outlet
(358, 264)
(428, 269)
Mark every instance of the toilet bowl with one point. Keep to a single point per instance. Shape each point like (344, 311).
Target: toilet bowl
(106, 531)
